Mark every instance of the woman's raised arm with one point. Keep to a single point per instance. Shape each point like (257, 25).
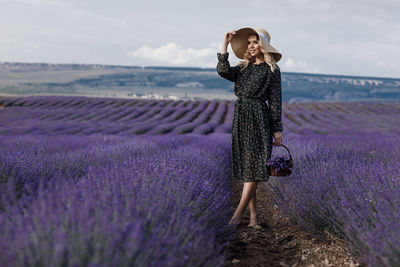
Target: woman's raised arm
(223, 67)
(225, 70)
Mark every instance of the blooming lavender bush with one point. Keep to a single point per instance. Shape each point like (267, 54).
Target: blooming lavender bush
(350, 186)
(114, 201)
(73, 194)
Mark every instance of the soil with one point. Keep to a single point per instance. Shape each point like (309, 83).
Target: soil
(280, 242)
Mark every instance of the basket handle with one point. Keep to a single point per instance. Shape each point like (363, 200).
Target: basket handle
(290, 155)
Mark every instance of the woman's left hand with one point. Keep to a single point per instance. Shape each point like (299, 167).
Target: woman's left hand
(278, 138)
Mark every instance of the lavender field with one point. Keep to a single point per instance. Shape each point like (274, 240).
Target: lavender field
(104, 182)
(84, 115)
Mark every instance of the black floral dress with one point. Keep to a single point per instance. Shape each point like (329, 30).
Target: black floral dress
(254, 122)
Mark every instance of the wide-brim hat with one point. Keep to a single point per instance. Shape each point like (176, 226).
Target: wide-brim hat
(239, 42)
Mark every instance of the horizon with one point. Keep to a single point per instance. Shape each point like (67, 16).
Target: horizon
(199, 68)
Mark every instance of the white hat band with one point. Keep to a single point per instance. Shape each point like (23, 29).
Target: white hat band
(263, 36)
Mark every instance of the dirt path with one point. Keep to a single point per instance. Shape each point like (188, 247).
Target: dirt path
(280, 242)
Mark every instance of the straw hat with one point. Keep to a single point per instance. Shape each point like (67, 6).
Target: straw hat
(239, 42)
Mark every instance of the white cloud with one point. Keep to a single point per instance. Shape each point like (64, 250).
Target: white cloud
(88, 16)
(43, 3)
(292, 65)
(380, 64)
(174, 54)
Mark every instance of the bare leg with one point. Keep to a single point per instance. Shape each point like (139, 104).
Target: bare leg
(253, 207)
(248, 191)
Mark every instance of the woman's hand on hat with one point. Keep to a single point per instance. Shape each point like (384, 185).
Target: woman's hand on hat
(229, 36)
(278, 138)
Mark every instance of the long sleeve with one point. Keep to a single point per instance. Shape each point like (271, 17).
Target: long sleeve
(275, 100)
(225, 70)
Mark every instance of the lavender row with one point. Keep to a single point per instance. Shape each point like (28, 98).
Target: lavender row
(115, 201)
(80, 115)
(349, 186)
(152, 117)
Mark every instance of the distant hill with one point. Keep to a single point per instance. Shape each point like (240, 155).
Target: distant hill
(180, 82)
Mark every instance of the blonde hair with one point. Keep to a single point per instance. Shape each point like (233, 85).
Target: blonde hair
(248, 58)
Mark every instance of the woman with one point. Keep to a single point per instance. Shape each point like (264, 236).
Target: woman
(257, 79)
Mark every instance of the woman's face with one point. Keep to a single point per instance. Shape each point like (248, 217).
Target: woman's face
(254, 46)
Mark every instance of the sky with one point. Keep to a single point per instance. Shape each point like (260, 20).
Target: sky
(343, 37)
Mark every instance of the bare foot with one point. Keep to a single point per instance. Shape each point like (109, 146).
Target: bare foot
(235, 219)
(253, 219)
(255, 226)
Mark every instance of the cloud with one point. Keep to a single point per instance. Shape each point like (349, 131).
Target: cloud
(173, 54)
(42, 3)
(297, 66)
(89, 16)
